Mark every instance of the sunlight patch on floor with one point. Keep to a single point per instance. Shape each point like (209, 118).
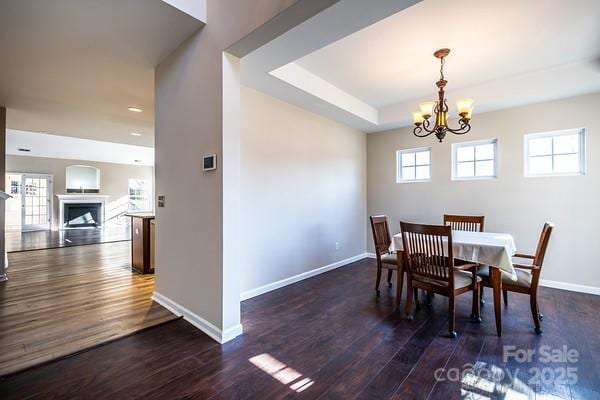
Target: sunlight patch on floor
(487, 381)
(281, 372)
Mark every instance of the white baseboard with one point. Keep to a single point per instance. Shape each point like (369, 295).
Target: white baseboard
(296, 278)
(231, 333)
(570, 286)
(198, 321)
(555, 284)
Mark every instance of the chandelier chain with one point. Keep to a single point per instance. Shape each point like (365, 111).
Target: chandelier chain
(442, 61)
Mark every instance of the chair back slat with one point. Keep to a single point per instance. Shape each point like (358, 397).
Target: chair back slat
(381, 234)
(428, 251)
(471, 223)
(542, 245)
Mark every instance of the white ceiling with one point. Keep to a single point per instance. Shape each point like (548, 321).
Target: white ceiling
(70, 148)
(504, 53)
(72, 67)
(392, 60)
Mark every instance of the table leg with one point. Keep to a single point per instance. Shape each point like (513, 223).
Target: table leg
(399, 277)
(496, 280)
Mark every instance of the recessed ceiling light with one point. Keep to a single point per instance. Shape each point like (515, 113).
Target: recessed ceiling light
(136, 134)
(24, 149)
(134, 109)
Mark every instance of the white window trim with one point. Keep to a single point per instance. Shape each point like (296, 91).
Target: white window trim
(456, 146)
(399, 165)
(562, 132)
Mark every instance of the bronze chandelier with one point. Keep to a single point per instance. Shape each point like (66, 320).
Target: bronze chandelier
(440, 109)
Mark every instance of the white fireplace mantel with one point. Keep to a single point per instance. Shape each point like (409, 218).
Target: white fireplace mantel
(79, 198)
(82, 198)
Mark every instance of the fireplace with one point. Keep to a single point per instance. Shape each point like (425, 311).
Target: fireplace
(78, 211)
(82, 215)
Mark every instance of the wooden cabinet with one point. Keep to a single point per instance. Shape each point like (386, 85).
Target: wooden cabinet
(142, 241)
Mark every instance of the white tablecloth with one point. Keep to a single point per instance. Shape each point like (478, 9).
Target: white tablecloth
(495, 249)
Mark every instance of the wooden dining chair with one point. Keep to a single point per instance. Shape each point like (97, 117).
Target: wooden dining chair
(472, 223)
(430, 266)
(382, 241)
(528, 276)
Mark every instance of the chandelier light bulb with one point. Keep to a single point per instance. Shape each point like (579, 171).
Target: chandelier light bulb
(418, 117)
(427, 108)
(464, 107)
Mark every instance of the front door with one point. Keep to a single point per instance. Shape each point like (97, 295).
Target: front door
(36, 191)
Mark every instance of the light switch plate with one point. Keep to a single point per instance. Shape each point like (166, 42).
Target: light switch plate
(161, 200)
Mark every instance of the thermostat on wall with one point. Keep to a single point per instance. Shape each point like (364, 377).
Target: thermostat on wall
(209, 162)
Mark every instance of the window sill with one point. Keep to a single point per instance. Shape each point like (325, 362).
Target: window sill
(475, 178)
(555, 175)
(415, 181)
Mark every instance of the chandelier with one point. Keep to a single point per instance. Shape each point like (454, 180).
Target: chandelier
(440, 109)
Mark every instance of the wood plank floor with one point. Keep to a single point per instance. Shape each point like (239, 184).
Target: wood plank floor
(328, 337)
(60, 301)
(37, 240)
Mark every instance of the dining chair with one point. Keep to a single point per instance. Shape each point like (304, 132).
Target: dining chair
(528, 276)
(430, 261)
(472, 223)
(385, 259)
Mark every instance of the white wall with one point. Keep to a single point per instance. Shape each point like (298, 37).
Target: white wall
(510, 203)
(189, 123)
(114, 178)
(303, 181)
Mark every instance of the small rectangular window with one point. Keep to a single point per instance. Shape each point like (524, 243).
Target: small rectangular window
(413, 165)
(140, 195)
(557, 153)
(474, 160)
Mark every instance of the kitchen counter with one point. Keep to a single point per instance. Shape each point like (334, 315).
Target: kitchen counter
(140, 215)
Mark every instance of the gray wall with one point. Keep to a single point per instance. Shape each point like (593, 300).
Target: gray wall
(114, 178)
(511, 203)
(188, 124)
(303, 190)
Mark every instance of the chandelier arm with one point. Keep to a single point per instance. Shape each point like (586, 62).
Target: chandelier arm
(464, 128)
(423, 127)
(417, 132)
(426, 127)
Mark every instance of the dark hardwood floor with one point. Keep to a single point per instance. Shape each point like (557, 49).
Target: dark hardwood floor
(37, 240)
(328, 337)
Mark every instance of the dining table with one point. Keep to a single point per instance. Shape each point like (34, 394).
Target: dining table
(484, 248)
